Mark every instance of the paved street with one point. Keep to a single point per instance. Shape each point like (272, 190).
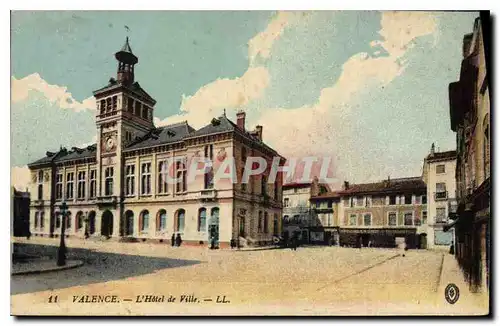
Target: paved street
(311, 280)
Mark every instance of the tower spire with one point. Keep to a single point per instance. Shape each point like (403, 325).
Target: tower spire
(126, 61)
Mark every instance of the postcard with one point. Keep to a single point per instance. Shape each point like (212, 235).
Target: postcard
(250, 163)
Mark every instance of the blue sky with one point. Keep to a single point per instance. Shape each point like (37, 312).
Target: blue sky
(367, 88)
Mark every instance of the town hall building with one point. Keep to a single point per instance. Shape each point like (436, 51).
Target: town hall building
(118, 187)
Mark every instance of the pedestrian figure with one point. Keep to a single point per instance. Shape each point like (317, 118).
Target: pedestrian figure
(233, 244)
(178, 240)
(28, 235)
(212, 243)
(172, 241)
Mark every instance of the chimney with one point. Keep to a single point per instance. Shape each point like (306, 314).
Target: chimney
(388, 181)
(315, 187)
(346, 185)
(258, 130)
(432, 149)
(240, 119)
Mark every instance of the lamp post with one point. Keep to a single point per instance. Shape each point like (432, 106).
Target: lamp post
(61, 253)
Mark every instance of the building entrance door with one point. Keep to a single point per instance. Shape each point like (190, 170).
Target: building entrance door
(107, 224)
(213, 229)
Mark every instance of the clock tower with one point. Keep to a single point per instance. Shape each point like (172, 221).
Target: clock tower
(124, 112)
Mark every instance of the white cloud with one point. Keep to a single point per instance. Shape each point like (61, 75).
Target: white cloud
(20, 177)
(260, 45)
(305, 131)
(231, 94)
(20, 89)
(401, 28)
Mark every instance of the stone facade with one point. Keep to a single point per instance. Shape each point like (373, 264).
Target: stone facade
(470, 119)
(135, 183)
(439, 175)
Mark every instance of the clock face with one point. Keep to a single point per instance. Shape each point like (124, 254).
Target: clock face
(110, 143)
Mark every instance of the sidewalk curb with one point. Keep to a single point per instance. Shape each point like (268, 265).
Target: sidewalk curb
(78, 263)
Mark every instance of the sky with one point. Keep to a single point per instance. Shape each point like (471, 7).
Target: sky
(368, 89)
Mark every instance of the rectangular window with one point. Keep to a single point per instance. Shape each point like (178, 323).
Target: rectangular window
(243, 160)
(392, 219)
(40, 185)
(42, 220)
(130, 180)
(424, 199)
(69, 184)
(146, 178)
(440, 168)
(441, 215)
(424, 217)
(130, 105)
(367, 219)
(360, 201)
(103, 106)
(137, 111)
(408, 218)
(115, 102)
(59, 185)
(208, 173)
(408, 199)
(162, 177)
(108, 188)
(181, 185)
(392, 200)
(330, 204)
(36, 220)
(81, 184)
(441, 190)
(93, 183)
(353, 219)
(286, 202)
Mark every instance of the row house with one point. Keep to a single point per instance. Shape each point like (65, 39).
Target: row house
(470, 120)
(379, 214)
(299, 218)
(134, 183)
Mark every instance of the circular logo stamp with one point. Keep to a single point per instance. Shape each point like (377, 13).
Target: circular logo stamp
(451, 293)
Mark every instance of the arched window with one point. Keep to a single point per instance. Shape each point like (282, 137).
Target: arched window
(179, 220)
(202, 219)
(214, 215)
(266, 222)
(275, 225)
(144, 221)
(91, 222)
(58, 219)
(129, 223)
(36, 219)
(161, 222)
(79, 221)
(68, 220)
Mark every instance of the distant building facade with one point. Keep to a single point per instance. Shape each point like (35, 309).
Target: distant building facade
(379, 214)
(470, 119)
(119, 188)
(20, 213)
(298, 216)
(439, 175)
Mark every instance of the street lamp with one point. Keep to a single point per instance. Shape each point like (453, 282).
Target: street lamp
(61, 253)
